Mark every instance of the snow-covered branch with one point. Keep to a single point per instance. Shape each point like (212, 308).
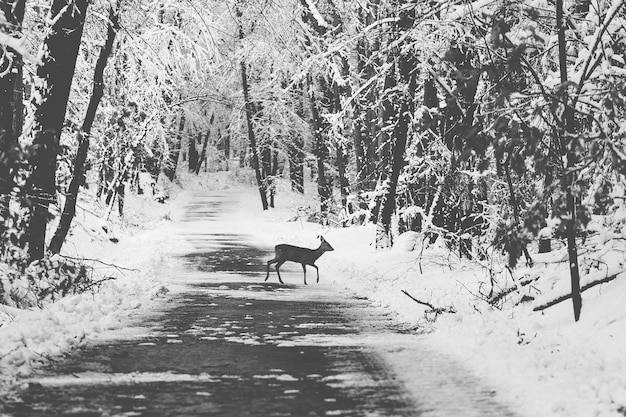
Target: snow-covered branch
(464, 9)
(19, 46)
(597, 38)
(316, 14)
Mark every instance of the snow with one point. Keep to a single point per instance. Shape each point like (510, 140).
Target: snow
(541, 363)
(538, 362)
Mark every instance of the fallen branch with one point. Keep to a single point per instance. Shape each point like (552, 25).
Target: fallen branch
(436, 310)
(496, 298)
(119, 268)
(584, 287)
(424, 303)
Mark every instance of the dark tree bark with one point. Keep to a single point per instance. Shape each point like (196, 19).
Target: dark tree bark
(358, 134)
(227, 147)
(321, 152)
(266, 160)
(172, 163)
(515, 205)
(388, 204)
(568, 143)
(325, 101)
(296, 164)
(400, 103)
(251, 137)
(431, 99)
(295, 150)
(344, 186)
(341, 157)
(193, 153)
(273, 173)
(204, 145)
(11, 101)
(386, 137)
(249, 109)
(367, 65)
(389, 116)
(56, 73)
(78, 177)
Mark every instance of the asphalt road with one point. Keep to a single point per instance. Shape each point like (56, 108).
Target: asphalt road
(230, 344)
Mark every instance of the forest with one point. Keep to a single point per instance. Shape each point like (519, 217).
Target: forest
(494, 126)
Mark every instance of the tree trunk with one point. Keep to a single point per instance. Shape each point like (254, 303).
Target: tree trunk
(341, 158)
(11, 103)
(358, 127)
(368, 122)
(52, 88)
(397, 107)
(260, 181)
(78, 177)
(266, 161)
(203, 152)
(249, 109)
(193, 153)
(295, 150)
(386, 145)
(227, 147)
(344, 185)
(569, 144)
(360, 147)
(388, 204)
(296, 164)
(273, 173)
(321, 152)
(204, 145)
(515, 206)
(172, 163)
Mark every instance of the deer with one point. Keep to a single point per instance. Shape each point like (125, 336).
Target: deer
(303, 256)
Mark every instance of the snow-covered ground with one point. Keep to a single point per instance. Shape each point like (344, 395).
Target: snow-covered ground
(540, 363)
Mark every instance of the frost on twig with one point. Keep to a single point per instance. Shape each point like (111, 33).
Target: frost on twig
(431, 309)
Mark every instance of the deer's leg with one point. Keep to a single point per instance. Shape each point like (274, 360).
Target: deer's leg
(304, 269)
(318, 272)
(271, 261)
(278, 272)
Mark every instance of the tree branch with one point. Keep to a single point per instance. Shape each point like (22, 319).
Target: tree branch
(584, 287)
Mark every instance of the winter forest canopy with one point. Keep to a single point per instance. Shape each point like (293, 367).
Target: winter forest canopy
(495, 126)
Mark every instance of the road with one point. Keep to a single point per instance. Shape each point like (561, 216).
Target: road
(230, 344)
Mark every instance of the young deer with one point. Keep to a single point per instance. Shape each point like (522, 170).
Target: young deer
(303, 256)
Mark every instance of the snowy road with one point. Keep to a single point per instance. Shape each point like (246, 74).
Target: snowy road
(229, 344)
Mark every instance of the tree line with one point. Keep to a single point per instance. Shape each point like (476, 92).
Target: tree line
(489, 125)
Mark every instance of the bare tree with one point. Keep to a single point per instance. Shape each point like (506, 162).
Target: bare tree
(54, 79)
(11, 99)
(78, 177)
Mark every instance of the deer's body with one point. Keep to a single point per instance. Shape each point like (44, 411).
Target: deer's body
(303, 256)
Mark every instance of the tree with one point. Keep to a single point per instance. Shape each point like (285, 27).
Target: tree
(558, 141)
(321, 98)
(202, 157)
(320, 129)
(400, 86)
(11, 101)
(174, 148)
(78, 178)
(249, 112)
(52, 89)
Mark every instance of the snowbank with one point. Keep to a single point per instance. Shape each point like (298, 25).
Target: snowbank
(130, 257)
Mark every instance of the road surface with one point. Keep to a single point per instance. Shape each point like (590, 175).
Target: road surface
(230, 344)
